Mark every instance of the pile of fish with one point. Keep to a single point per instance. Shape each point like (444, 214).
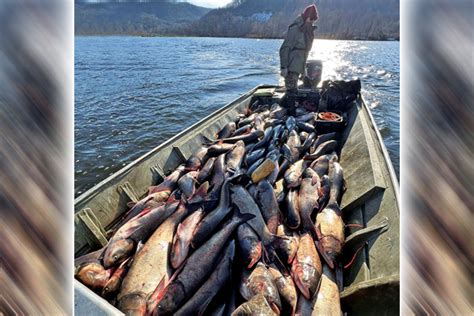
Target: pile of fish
(249, 225)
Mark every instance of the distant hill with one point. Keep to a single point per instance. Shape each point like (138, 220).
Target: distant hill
(136, 18)
(339, 19)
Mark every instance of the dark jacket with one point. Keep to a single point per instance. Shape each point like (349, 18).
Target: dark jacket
(295, 49)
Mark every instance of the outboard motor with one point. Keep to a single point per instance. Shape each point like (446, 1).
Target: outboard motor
(314, 69)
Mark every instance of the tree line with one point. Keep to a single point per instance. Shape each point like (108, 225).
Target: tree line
(339, 19)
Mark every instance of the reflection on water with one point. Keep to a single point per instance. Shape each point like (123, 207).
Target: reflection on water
(133, 93)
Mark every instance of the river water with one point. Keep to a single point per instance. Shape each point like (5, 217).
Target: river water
(133, 93)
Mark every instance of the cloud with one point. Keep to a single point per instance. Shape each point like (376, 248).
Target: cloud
(209, 3)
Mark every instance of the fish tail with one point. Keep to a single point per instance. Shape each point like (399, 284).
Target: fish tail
(207, 141)
(240, 178)
(241, 217)
(199, 194)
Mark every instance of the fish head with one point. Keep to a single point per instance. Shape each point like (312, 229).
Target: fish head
(261, 281)
(93, 275)
(292, 247)
(332, 157)
(255, 254)
(132, 304)
(111, 287)
(286, 247)
(325, 182)
(308, 173)
(330, 248)
(244, 287)
(118, 251)
(305, 277)
(167, 301)
(252, 251)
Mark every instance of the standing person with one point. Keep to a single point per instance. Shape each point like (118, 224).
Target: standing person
(294, 51)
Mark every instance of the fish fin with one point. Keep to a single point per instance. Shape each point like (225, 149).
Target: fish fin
(140, 245)
(157, 188)
(172, 198)
(240, 178)
(231, 171)
(206, 202)
(199, 194)
(265, 257)
(110, 233)
(176, 272)
(152, 189)
(281, 237)
(275, 308)
(241, 217)
(318, 232)
(144, 212)
(288, 158)
(155, 297)
(165, 284)
(177, 247)
(207, 140)
(189, 169)
(204, 305)
(179, 231)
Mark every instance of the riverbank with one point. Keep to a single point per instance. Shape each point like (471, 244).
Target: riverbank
(384, 39)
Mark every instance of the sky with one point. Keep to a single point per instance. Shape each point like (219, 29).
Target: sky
(209, 3)
(202, 3)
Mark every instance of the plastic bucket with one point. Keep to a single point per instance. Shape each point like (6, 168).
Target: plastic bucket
(314, 69)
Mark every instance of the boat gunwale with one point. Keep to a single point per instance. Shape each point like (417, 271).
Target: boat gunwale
(388, 161)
